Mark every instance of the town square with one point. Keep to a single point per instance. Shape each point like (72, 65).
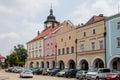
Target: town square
(60, 40)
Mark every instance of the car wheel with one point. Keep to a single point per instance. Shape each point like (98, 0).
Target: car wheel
(97, 78)
(117, 79)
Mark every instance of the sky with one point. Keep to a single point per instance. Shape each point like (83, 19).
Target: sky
(20, 20)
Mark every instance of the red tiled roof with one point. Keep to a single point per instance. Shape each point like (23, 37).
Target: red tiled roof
(1, 57)
(95, 19)
(44, 33)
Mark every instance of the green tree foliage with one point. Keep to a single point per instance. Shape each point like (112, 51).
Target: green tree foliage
(13, 59)
(21, 52)
(18, 56)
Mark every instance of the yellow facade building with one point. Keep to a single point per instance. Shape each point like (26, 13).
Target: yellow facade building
(90, 44)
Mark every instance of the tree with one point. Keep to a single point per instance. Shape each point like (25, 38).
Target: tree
(18, 56)
(21, 52)
(13, 59)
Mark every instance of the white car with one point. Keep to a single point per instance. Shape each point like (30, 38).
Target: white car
(26, 73)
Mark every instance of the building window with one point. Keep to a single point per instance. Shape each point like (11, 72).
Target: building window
(93, 45)
(52, 51)
(67, 50)
(40, 44)
(82, 47)
(118, 42)
(72, 49)
(51, 43)
(58, 51)
(48, 44)
(101, 46)
(69, 37)
(94, 31)
(84, 34)
(118, 25)
(63, 51)
(62, 40)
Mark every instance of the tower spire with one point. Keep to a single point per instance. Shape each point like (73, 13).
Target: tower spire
(51, 11)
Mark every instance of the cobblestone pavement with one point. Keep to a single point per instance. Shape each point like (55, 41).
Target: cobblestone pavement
(15, 76)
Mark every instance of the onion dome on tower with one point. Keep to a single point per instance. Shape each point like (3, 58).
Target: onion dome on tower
(51, 20)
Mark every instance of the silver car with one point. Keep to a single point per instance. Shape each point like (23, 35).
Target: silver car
(26, 73)
(97, 73)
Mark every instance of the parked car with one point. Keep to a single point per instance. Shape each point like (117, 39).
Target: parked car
(45, 71)
(97, 73)
(54, 72)
(9, 69)
(81, 74)
(18, 69)
(112, 76)
(62, 73)
(37, 71)
(71, 73)
(26, 73)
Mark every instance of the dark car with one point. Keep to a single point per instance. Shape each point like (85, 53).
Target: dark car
(38, 71)
(71, 73)
(54, 72)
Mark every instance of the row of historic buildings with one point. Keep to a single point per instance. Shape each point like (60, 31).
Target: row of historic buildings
(65, 45)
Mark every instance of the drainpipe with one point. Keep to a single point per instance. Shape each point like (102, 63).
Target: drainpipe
(105, 45)
(76, 51)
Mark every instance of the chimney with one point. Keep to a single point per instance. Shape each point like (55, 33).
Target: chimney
(38, 33)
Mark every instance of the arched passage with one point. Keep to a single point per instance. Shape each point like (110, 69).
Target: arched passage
(53, 64)
(37, 64)
(71, 64)
(84, 64)
(115, 63)
(31, 65)
(98, 63)
(42, 64)
(47, 64)
(61, 64)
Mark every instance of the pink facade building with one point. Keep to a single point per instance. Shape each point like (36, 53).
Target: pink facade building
(50, 48)
(50, 52)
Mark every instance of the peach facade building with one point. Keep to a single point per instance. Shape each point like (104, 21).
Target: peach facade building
(91, 44)
(65, 39)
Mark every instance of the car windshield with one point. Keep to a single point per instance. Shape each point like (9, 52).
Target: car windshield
(80, 72)
(65, 70)
(94, 70)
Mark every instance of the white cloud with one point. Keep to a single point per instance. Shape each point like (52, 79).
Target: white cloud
(89, 8)
(10, 35)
